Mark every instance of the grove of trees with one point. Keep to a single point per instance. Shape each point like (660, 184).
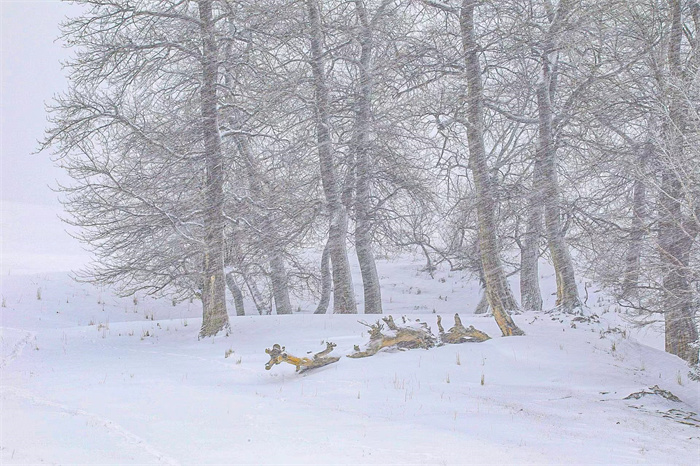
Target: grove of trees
(214, 143)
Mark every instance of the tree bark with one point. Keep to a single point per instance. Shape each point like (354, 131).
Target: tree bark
(363, 223)
(280, 290)
(497, 288)
(326, 281)
(530, 294)
(271, 241)
(343, 293)
(215, 317)
(567, 291)
(236, 293)
(260, 302)
(676, 236)
(637, 231)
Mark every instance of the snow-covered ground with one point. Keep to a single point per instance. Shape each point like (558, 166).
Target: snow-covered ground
(91, 378)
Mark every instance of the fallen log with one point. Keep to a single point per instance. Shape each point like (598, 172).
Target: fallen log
(458, 334)
(279, 355)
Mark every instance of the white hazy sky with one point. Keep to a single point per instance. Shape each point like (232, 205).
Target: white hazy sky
(33, 238)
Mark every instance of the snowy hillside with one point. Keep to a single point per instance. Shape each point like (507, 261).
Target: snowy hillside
(91, 378)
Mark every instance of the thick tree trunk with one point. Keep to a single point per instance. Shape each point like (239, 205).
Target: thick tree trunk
(497, 288)
(343, 293)
(363, 224)
(675, 243)
(326, 281)
(236, 293)
(676, 236)
(567, 291)
(215, 317)
(530, 294)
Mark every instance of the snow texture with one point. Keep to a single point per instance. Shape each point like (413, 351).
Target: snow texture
(91, 378)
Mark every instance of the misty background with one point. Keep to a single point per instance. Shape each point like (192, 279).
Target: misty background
(33, 237)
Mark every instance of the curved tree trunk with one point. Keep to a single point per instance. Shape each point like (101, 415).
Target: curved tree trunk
(215, 317)
(343, 293)
(497, 290)
(363, 224)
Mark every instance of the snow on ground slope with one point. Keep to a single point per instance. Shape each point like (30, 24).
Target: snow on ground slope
(91, 378)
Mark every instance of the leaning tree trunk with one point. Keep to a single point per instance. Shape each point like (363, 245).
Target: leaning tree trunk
(676, 235)
(215, 317)
(567, 291)
(497, 289)
(343, 293)
(530, 294)
(363, 224)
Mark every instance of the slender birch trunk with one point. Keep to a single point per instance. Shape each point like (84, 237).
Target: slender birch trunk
(215, 317)
(363, 223)
(343, 293)
(497, 289)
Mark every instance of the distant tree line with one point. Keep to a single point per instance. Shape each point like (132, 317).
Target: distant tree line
(213, 143)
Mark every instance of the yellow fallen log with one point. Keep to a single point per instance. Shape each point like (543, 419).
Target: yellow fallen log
(459, 334)
(279, 355)
(399, 338)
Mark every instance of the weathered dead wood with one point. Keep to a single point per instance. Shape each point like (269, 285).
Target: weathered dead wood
(459, 334)
(400, 338)
(278, 355)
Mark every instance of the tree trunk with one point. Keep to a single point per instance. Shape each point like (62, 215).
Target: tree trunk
(326, 281)
(215, 317)
(363, 224)
(567, 291)
(280, 290)
(676, 236)
(343, 293)
(530, 294)
(260, 304)
(483, 306)
(497, 290)
(236, 293)
(639, 213)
